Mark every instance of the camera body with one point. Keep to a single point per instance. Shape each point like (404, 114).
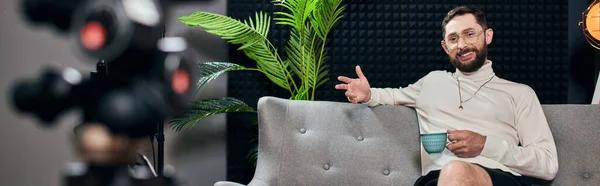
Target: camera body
(142, 77)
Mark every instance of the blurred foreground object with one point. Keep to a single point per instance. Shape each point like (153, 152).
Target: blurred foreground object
(142, 78)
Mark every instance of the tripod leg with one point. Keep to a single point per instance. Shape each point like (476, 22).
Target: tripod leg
(160, 138)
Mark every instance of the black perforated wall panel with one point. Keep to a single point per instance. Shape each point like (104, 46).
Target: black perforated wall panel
(396, 42)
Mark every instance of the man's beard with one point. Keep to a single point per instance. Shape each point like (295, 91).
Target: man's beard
(475, 64)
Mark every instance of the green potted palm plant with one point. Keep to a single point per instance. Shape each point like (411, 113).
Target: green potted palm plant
(300, 72)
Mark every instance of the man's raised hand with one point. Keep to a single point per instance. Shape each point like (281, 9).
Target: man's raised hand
(357, 90)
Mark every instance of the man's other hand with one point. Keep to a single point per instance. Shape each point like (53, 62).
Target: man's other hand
(465, 143)
(357, 90)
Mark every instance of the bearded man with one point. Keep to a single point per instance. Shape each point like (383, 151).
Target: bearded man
(497, 129)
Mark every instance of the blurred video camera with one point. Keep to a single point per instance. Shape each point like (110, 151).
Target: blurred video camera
(142, 78)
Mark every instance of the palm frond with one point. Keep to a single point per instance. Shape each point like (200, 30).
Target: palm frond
(321, 72)
(322, 78)
(210, 71)
(327, 13)
(300, 11)
(231, 30)
(199, 110)
(252, 35)
(302, 57)
(301, 95)
(253, 154)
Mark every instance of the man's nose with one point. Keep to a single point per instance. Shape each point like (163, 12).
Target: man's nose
(461, 43)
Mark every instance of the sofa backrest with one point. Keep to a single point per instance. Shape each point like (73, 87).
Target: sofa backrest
(333, 143)
(576, 131)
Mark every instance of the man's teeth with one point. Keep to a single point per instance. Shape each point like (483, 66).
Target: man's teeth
(466, 54)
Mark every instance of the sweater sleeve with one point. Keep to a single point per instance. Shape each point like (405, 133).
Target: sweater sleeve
(396, 96)
(536, 157)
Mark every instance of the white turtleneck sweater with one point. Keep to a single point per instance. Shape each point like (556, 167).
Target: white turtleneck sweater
(507, 113)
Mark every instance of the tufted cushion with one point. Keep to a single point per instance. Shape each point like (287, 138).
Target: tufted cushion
(329, 143)
(332, 143)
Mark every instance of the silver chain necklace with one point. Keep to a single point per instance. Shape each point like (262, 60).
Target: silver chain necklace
(460, 107)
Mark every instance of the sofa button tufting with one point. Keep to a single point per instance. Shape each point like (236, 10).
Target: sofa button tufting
(360, 138)
(386, 172)
(326, 166)
(302, 130)
(587, 175)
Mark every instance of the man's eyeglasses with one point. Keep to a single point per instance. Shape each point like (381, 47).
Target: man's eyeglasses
(469, 37)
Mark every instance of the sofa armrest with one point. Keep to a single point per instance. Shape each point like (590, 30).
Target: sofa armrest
(227, 183)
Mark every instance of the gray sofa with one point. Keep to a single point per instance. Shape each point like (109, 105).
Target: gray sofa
(333, 143)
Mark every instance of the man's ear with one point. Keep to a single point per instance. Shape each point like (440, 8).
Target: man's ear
(445, 47)
(489, 35)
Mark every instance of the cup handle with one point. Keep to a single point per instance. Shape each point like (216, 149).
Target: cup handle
(448, 140)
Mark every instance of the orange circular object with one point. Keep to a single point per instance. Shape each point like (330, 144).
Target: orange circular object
(591, 24)
(180, 81)
(93, 35)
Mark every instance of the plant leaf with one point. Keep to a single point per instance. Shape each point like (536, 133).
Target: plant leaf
(252, 35)
(302, 54)
(321, 76)
(325, 16)
(199, 110)
(301, 95)
(299, 12)
(253, 154)
(210, 71)
(299, 55)
(327, 13)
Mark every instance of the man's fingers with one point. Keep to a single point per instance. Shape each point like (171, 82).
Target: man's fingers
(344, 79)
(350, 95)
(451, 146)
(360, 73)
(350, 99)
(454, 136)
(341, 86)
(454, 146)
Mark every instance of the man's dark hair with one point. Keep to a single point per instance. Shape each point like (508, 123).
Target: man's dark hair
(462, 10)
